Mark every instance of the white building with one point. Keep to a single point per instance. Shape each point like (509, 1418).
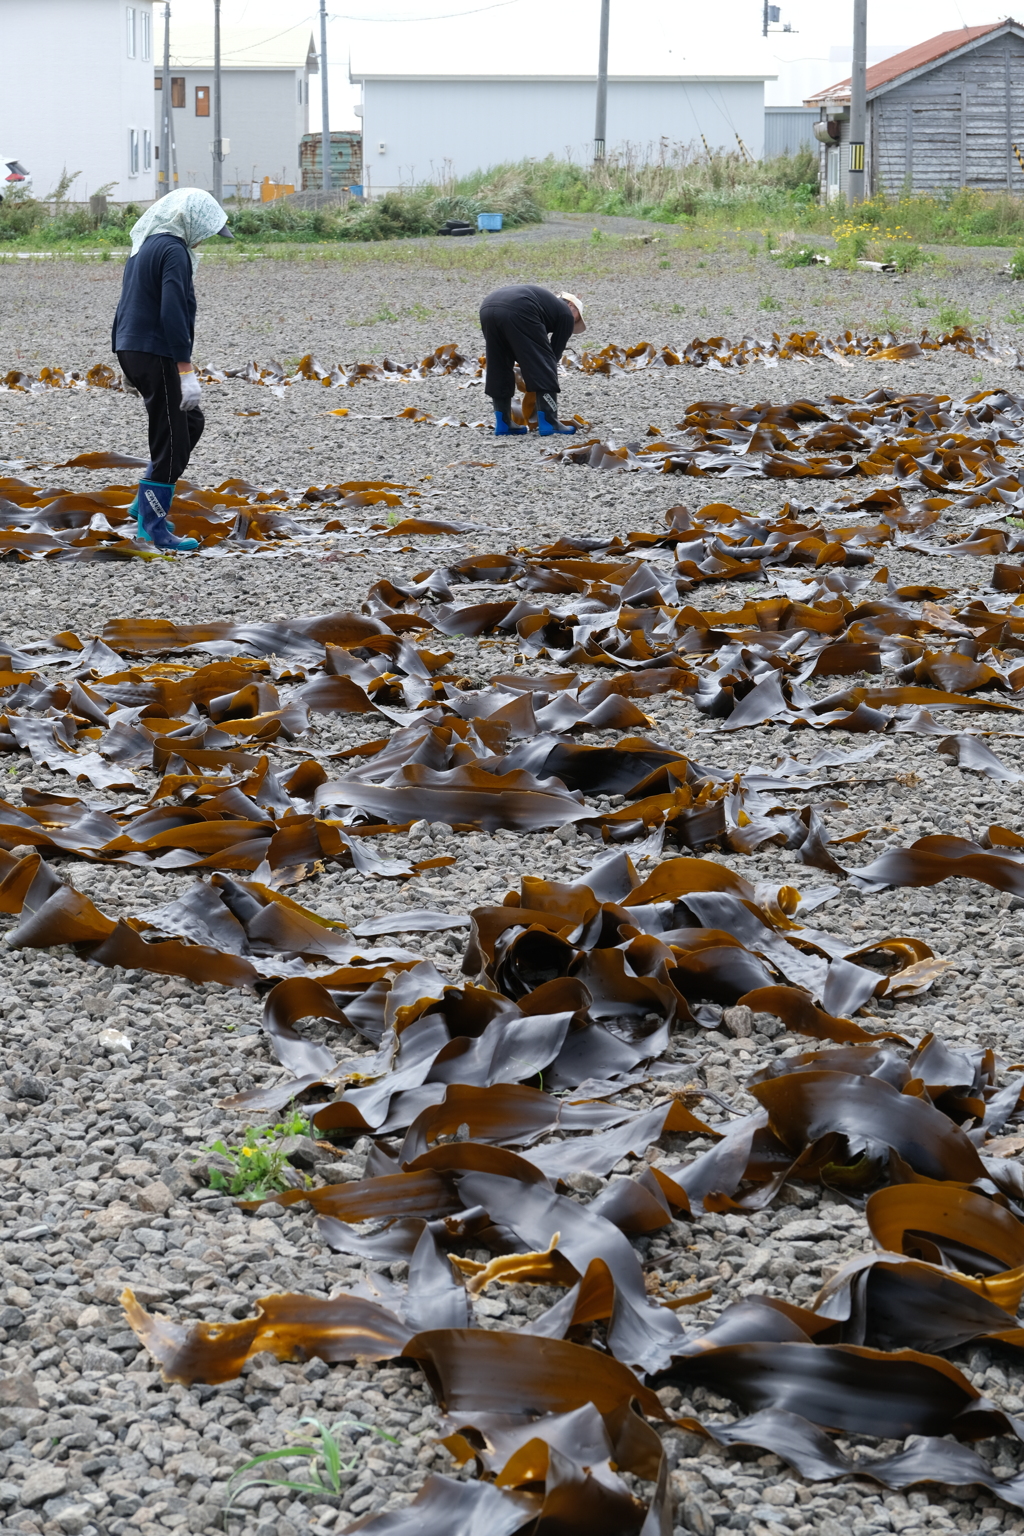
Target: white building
(419, 127)
(76, 94)
(264, 102)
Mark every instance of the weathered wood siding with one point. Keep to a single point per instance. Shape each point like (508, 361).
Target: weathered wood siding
(953, 126)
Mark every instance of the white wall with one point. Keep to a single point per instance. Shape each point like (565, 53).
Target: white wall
(429, 126)
(69, 93)
(260, 116)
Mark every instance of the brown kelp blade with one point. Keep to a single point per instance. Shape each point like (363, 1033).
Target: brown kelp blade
(290, 1327)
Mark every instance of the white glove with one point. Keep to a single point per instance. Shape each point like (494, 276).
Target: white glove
(190, 391)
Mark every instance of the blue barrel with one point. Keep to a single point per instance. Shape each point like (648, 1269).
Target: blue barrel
(356, 191)
(488, 221)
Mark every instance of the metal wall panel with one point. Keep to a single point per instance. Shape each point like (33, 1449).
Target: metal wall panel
(419, 130)
(788, 130)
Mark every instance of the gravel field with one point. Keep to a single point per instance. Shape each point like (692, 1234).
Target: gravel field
(96, 1188)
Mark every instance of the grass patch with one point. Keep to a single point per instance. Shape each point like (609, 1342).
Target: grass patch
(720, 189)
(949, 316)
(326, 1467)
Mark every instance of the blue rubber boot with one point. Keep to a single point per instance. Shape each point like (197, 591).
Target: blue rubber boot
(153, 505)
(133, 506)
(548, 424)
(503, 420)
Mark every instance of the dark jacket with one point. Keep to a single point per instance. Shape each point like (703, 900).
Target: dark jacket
(528, 301)
(157, 308)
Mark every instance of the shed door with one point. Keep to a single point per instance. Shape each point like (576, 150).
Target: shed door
(833, 173)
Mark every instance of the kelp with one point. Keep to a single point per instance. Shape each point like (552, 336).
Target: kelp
(929, 443)
(492, 1101)
(234, 518)
(448, 360)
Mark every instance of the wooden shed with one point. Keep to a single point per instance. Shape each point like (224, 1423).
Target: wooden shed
(941, 115)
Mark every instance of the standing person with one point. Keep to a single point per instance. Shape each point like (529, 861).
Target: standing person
(153, 332)
(527, 325)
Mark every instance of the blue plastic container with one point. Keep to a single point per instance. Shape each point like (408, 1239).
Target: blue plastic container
(356, 191)
(488, 221)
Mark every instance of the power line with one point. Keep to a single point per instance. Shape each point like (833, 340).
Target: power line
(342, 16)
(273, 38)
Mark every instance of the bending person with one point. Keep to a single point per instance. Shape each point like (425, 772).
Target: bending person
(527, 325)
(153, 332)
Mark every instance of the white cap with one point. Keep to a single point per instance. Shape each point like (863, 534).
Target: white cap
(570, 298)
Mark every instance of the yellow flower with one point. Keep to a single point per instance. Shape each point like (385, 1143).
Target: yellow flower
(247, 1151)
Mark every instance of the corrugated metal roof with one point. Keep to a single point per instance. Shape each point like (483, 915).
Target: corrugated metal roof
(929, 52)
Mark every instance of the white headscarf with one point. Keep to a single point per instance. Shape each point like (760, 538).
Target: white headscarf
(190, 213)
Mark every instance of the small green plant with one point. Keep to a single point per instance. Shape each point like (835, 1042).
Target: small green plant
(905, 258)
(665, 264)
(326, 1466)
(769, 301)
(1015, 317)
(977, 378)
(258, 1161)
(1017, 266)
(797, 256)
(677, 309)
(920, 300)
(383, 316)
(950, 316)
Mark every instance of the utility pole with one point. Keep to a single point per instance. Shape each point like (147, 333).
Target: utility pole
(218, 151)
(858, 101)
(601, 114)
(164, 183)
(325, 107)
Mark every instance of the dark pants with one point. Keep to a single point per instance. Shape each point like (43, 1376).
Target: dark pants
(511, 337)
(173, 433)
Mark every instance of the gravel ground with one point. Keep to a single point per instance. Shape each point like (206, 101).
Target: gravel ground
(94, 1163)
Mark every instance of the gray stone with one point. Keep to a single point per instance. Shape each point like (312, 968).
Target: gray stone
(155, 1197)
(301, 1151)
(18, 1390)
(74, 1518)
(45, 1482)
(739, 1021)
(700, 1514)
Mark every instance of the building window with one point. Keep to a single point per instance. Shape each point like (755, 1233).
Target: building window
(202, 101)
(146, 22)
(129, 17)
(147, 150)
(177, 90)
(300, 93)
(133, 151)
